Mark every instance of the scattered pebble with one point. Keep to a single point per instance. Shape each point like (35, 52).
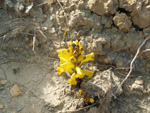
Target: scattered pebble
(3, 92)
(8, 101)
(1, 87)
(19, 108)
(3, 96)
(15, 91)
(1, 106)
(3, 82)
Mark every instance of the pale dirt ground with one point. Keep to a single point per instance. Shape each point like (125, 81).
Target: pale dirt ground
(42, 89)
(113, 33)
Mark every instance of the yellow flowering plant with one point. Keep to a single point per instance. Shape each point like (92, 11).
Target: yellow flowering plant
(71, 60)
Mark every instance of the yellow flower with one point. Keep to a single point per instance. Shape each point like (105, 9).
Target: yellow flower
(67, 66)
(64, 53)
(71, 59)
(80, 73)
(62, 60)
(80, 91)
(70, 50)
(72, 80)
(88, 73)
(91, 100)
(78, 47)
(60, 70)
(84, 58)
(73, 76)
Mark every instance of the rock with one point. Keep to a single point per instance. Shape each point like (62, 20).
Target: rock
(97, 46)
(15, 91)
(140, 12)
(19, 108)
(122, 21)
(137, 85)
(9, 101)
(1, 106)
(3, 82)
(1, 87)
(141, 18)
(3, 94)
(84, 17)
(102, 7)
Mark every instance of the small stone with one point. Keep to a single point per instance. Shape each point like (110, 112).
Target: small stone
(122, 21)
(3, 96)
(53, 30)
(10, 17)
(8, 101)
(15, 91)
(1, 106)
(3, 92)
(1, 87)
(137, 85)
(44, 28)
(19, 108)
(106, 60)
(3, 82)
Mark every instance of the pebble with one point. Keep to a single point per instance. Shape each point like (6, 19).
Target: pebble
(3, 96)
(19, 108)
(3, 82)
(1, 106)
(1, 87)
(8, 101)
(3, 92)
(15, 91)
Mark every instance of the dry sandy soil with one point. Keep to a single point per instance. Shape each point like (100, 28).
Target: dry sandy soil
(32, 31)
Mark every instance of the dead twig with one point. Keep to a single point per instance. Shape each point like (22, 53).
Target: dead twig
(147, 50)
(60, 4)
(65, 16)
(42, 34)
(131, 64)
(77, 110)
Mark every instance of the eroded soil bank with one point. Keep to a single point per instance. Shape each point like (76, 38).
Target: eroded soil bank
(32, 31)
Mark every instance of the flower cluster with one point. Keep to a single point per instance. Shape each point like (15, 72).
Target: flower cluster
(71, 59)
(86, 97)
